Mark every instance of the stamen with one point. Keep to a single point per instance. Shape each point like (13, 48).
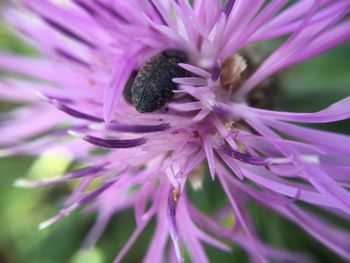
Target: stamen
(215, 74)
(73, 112)
(68, 32)
(228, 7)
(254, 160)
(49, 98)
(86, 7)
(111, 11)
(138, 128)
(72, 58)
(158, 12)
(109, 144)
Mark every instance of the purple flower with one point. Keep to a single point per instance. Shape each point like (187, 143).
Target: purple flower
(91, 48)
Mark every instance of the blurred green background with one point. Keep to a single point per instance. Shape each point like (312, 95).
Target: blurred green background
(308, 86)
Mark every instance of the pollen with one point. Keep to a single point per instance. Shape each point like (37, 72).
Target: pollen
(176, 194)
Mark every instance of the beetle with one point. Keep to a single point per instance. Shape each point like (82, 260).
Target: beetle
(153, 86)
(128, 86)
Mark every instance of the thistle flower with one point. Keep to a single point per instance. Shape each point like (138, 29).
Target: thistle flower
(91, 50)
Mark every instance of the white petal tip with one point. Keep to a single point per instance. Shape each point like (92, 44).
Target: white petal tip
(96, 126)
(45, 224)
(41, 96)
(76, 134)
(22, 183)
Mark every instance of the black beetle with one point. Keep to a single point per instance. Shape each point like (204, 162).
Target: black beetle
(128, 86)
(153, 86)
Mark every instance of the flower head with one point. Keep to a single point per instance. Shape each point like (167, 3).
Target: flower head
(185, 110)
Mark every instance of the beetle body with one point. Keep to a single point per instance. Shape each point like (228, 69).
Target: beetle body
(127, 93)
(153, 86)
